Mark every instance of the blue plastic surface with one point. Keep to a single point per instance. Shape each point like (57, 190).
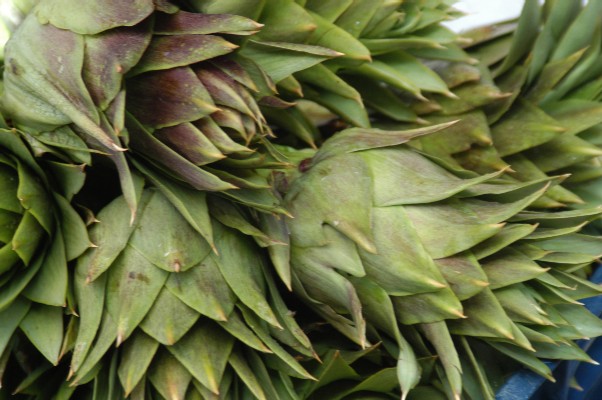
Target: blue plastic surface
(523, 385)
(527, 385)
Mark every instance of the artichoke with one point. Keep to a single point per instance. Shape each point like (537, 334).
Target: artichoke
(151, 77)
(386, 243)
(147, 76)
(40, 233)
(197, 319)
(421, 246)
(187, 319)
(531, 103)
(381, 48)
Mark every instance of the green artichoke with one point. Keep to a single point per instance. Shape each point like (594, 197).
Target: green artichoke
(40, 233)
(387, 243)
(418, 246)
(381, 46)
(531, 103)
(197, 319)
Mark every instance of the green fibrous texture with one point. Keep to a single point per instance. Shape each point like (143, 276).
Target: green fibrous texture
(385, 243)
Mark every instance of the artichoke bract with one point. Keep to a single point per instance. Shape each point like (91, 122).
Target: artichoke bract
(186, 317)
(146, 76)
(385, 239)
(40, 232)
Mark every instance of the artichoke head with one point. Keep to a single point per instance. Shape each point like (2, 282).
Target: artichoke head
(186, 316)
(388, 244)
(148, 77)
(532, 102)
(379, 48)
(40, 233)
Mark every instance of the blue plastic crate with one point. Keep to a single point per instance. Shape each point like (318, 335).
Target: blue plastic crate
(527, 385)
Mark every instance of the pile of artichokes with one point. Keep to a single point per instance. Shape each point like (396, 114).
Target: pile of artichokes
(295, 199)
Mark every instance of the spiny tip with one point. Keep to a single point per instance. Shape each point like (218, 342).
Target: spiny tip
(485, 141)
(436, 284)
(214, 390)
(116, 147)
(451, 95)
(502, 95)
(421, 97)
(465, 41)
(539, 321)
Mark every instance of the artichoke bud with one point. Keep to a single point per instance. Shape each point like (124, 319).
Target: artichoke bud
(27, 222)
(40, 233)
(393, 198)
(374, 215)
(540, 98)
(374, 49)
(149, 77)
(167, 296)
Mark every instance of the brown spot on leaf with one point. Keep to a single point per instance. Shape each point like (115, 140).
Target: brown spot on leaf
(305, 165)
(138, 276)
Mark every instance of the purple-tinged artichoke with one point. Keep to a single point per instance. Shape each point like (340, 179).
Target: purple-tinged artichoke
(148, 77)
